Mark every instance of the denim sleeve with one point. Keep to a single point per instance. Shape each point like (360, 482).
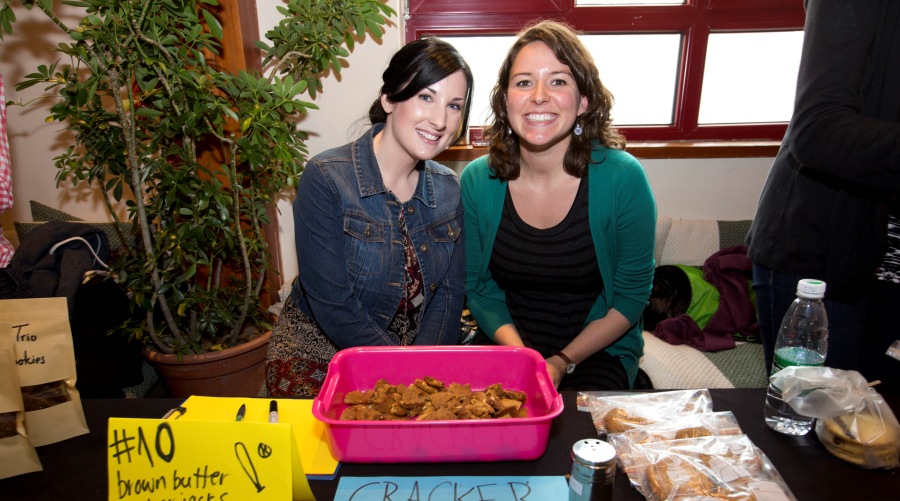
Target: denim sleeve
(441, 320)
(322, 263)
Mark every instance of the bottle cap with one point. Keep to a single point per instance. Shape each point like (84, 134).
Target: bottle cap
(811, 288)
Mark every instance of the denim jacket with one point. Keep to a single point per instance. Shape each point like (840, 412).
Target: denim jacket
(350, 247)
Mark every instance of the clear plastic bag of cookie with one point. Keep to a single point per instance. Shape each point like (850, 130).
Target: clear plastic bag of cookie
(715, 467)
(853, 422)
(616, 413)
(17, 453)
(704, 424)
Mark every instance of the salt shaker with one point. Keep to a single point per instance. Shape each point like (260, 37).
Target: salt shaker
(593, 471)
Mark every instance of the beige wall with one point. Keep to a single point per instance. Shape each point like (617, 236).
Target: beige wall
(713, 188)
(344, 101)
(33, 143)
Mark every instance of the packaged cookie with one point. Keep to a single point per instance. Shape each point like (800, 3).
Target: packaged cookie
(45, 364)
(17, 454)
(705, 424)
(616, 413)
(868, 437)
(714, 467)
(853, 421)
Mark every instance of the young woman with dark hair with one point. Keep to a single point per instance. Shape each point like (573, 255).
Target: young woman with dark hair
(379, 228)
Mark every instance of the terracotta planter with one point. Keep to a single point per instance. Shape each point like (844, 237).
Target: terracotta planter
(235, 372)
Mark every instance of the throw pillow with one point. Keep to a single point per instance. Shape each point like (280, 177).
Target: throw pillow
(690, 242)
(663, 225)
(41, 213)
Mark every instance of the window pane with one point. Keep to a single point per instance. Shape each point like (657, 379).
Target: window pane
(641, 72)
(750, 77)
(590, 3)
(484, 55)
(644, 93)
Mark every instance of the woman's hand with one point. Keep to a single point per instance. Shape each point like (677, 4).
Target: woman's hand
(556, 368)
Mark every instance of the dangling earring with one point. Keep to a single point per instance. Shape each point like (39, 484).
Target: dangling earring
(578, 130)
(509, 131)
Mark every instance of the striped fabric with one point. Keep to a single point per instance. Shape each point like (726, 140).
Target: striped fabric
(550, 276)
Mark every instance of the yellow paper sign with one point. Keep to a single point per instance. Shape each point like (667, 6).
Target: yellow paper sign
(170, 460)
(309, 432)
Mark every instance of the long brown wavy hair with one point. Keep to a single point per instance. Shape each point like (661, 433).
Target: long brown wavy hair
(503, 144)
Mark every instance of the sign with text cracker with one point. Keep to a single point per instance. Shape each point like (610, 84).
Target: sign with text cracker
(162, 460)
(464, 488)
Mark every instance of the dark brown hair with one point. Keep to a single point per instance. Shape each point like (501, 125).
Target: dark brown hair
(595, 121)
(417, 65)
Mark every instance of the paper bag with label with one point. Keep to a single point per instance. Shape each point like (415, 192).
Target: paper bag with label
(17, 455)
(45, 362)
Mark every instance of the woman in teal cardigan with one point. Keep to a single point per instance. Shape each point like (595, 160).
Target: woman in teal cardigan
(560, 221)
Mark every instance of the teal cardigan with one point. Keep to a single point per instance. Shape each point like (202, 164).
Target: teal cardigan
(622, 215)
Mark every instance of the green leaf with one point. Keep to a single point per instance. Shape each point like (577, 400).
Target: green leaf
(298, 88)
(214, 26)
(7, 18)
(385, 8)
(147, 112)
(374, 28)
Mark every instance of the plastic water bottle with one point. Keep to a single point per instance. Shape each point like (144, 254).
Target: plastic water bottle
(802, 340)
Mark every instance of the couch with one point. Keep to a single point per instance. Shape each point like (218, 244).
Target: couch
(690, 242)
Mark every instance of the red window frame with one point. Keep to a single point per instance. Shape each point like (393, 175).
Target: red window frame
(695, 20)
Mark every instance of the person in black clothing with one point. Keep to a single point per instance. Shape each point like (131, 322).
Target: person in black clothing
(829, 208)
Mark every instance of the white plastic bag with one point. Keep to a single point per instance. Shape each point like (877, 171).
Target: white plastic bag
(853, 421)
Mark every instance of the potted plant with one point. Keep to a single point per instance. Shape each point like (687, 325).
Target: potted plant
(198, 154)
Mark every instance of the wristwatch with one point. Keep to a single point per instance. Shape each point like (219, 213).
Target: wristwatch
(570, 365)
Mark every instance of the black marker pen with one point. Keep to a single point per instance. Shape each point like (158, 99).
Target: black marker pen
(273, 411)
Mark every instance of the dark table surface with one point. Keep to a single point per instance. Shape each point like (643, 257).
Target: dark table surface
(76, 468)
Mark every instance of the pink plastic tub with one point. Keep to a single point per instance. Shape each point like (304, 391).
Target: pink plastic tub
(515, 368)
